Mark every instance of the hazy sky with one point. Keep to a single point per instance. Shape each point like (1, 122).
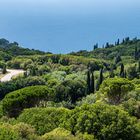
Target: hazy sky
(62, 26)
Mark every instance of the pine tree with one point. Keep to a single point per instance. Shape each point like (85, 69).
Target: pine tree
(92, 83)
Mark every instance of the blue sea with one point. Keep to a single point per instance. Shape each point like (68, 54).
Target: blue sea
(63, 26)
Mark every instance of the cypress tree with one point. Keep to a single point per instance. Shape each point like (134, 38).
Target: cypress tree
(92, 83)
(88, 82)
(100, 80)
(101, 76)
(139, 66)
(4, 69)
(136, 53)
(118, 42)
(122, 71)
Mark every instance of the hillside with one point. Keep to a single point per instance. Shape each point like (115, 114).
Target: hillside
(124, 48)
(9, 50)
(85, 95)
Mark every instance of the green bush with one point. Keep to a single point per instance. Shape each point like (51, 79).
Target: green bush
(16, 101)
(7, 133)
(116, 89)
(19, 83)
(43, 119)
(19, 131)
(105, 122)
(59, 134)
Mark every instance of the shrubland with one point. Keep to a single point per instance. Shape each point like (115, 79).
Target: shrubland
(85, 95)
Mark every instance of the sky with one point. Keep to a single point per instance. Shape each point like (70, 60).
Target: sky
(63, 26)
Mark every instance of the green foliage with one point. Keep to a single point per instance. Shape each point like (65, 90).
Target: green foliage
(19, 131)
(70, 90)
(132, 72)
(59, 134)
(132, 106)
(19, 83)
(43, 119)
(115, 89)
(16, 101)
(7, 133)
(103, 121)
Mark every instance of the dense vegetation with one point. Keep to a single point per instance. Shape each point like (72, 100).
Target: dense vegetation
(83, 95)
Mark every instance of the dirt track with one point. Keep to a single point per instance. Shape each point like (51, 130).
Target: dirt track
(10, 74)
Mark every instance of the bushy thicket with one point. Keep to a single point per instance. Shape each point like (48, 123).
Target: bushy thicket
(15, 102)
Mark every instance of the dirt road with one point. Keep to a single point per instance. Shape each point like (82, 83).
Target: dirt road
(10, 74)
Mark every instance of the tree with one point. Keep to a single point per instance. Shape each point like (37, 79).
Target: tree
(43, 120)
(100, 79)
(136, 53)
(70, 91)
(132, 72)
(4, 69)
(104, 122)
(101, 76)
(107, 45)
(92, 83)
(88, 82)
(116, 89)
(118, 42)
(16, 101)
(122, 72)
(95, 46)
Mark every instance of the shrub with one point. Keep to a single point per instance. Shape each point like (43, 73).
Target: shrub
(115, 89)
(103, 121)
(7, 133)
(16, 101)
(43, 119)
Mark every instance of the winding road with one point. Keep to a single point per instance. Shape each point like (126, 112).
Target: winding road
(10, 74)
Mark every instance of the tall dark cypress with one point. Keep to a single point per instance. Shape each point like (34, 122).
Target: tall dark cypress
(100, 80)
(88, 82)
(136, 53)
(122, 71)
(118, 42)
(139, 66)
(101, 76)
(92, 83)
(4, 69)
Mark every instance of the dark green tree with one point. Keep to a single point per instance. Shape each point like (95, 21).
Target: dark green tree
(92, 83)
(122, 71)
(88, 82)
(101, 76)
(118, 42)
(4, 69)
(95, 46)
(136, 53)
